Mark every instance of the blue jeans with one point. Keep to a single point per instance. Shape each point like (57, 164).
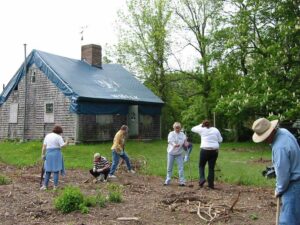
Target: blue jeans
(179, 160)
(115, 161)
(188, 151)
(290, 208)
(55, 178)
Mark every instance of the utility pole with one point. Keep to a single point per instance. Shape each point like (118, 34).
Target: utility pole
(25, 91)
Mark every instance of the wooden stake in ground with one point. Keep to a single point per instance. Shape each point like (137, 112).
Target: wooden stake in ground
(277, 210)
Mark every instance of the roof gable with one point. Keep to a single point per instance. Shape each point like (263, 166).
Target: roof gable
(83, 82)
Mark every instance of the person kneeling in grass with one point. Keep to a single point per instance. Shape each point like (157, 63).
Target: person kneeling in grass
(101, 168)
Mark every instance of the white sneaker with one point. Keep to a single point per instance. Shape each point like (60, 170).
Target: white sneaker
(43, 188)
(55, 188)
(100, 177)
(112, 176)
(132, 171)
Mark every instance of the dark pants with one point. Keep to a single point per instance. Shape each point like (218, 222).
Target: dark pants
(209, 156)
(97, 174)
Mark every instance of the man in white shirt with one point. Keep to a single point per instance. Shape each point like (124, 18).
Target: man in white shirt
(209, 150)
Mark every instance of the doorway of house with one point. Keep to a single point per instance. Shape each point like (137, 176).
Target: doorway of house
(133, 121)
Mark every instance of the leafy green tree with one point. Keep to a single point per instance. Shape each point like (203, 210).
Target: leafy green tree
(263, 38)
(200, 20)
(144, 43)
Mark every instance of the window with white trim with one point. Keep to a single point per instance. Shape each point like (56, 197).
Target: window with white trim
(13, 113)
(104, 119)
(49, 112)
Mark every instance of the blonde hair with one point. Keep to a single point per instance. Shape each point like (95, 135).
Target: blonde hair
(176, 124)
(97, 155)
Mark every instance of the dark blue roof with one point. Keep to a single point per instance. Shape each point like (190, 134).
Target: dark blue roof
(82, 82)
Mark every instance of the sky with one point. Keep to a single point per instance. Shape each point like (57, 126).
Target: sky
(53, 26)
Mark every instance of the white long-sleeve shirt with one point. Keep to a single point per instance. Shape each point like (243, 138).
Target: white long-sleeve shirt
(210, 137)
(175, 138)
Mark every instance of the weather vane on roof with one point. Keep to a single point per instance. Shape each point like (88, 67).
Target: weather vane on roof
(82, 29)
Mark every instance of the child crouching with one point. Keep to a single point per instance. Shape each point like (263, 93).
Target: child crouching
(101, 168)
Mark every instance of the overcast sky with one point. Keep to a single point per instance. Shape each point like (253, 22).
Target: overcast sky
(52, 26)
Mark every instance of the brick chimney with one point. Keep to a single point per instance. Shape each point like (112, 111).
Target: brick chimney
(92, 54)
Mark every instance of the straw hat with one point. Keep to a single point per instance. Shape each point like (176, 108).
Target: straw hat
(262, 129)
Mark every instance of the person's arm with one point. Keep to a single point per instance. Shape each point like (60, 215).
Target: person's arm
(106, 166)
(220, 138)
(282, 169)
(197, 129)
(172, 140)
(94, 166)
(43, 151)
(62, 143)
(119, 143)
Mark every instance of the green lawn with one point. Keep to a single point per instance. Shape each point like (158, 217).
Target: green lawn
(238, 163)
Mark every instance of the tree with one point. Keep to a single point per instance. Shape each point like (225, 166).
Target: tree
(144, 43)
(264, 40)
(200, 19)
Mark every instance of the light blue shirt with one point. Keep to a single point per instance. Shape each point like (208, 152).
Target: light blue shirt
(286, 159)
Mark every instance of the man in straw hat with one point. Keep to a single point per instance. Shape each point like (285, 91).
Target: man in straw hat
(286, 161)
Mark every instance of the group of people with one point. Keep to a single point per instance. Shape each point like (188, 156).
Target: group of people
(54, 163)
(285, 158)
(209, 150)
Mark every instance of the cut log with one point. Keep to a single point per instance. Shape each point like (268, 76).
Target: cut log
(128, 218)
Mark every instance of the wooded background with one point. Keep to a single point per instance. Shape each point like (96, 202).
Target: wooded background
(245, 58)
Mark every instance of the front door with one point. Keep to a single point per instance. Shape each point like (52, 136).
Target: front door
(133, 121)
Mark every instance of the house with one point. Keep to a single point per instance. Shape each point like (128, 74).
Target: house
(90, 100)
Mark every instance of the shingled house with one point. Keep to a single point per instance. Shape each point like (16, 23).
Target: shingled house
(90, 100)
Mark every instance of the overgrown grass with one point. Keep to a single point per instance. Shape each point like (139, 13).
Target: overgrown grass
(238, 163)
(115, 193)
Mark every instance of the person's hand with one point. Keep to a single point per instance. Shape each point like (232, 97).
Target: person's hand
(99, 170)
(43, 157)
(276, 194)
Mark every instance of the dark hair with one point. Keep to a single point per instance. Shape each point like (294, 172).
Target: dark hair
(57, 130)
(206, 123)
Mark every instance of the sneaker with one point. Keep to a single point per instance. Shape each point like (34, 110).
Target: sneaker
(132, 171)
(105, 181)
(181, 185)
(100, 177)
(186, 158)
(112, 176)
(167, 183)
(43, 188)
(201, 183)
(55, 188)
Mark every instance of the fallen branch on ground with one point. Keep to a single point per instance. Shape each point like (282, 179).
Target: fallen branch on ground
(128, 218)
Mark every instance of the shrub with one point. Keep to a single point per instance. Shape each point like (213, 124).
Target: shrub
(4, 180)
(83, 208)
(69, 200)
(90, 201)
(101, 200)
(114, 193)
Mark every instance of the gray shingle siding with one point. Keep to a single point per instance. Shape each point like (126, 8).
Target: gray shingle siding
(38, 93)
(83, 128)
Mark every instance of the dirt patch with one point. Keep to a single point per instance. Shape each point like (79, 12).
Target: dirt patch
(145, 198)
